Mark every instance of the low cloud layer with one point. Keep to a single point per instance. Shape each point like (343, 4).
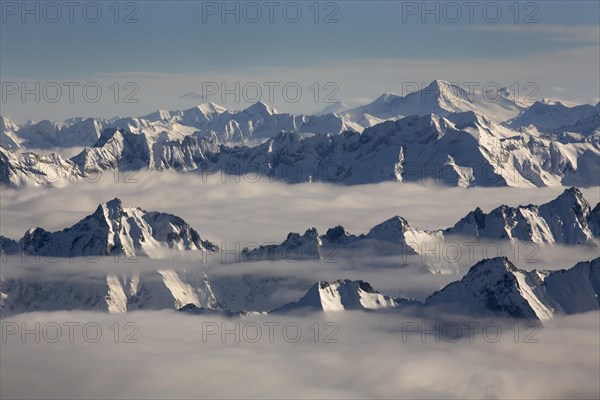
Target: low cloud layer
(370, 359)
(359, 355)
(242, 213)
(222, 209)
(232, 211)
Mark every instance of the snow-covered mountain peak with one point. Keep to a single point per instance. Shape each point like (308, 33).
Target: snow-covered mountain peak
(336, 234)
(359, 285)
(442, 91)
(442, 98)
(211, 108)
(47, 125)
(31, 232)
(493, 285)
(492, 266)
(295, 247)
(6, 124)
(8, 136)
(570, 202)
(571, 199)
(555, 117)
(386, 98)
(340, 295)
(397, 231)
(112, 212)
(340, 106)
(496, 286)
(549, 102)
(310, 236)
(158, 115)
(311, 233)
(114, 229)
(392, 229)
(260, 109)
(507, 94)
(114, 207)
(106, 135)
(571, 195)
(566, 219)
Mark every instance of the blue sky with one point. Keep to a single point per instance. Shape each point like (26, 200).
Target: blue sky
(374, 47)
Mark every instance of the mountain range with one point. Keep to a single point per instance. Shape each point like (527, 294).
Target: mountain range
(440, 133)
(148, 290)
(260, 121)
(441, 98)
(553, 117)
(568, 220)
(254, 123)
(112, 230)
(340, 295)
(492, 287)
(497, 287)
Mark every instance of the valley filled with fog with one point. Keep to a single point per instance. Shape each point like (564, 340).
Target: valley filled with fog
(380, 351)
(367, 357)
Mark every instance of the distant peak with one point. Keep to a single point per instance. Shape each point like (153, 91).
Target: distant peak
(358, 284)
(211, 108)
(116, 202)
(260, 108)
(34, 231)
(336, 233)
(110, 209)
(447, 89)
(547, 102)
(439, 83)
(493, 264)
(392, 229)
(571, 193)
(311, 233)
(106, 135)
(386, 98)
(396, 220)
(573, 190)
(7, 124)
